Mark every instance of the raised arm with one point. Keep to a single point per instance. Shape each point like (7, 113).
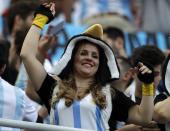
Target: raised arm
(142, 114)
(33, 67)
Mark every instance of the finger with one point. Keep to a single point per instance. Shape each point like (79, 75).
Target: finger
(133, 70)
(146, 70)
(149, 71)
(47, 5)
(44, 4)
(140, 64)
(136, 69)
(142, 68)
(51, 6)
(53, 9)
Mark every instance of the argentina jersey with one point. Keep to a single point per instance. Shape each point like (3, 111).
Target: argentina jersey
(15, 105)
(84, 114)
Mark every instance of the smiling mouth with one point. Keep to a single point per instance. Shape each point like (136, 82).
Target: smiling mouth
(87, 65)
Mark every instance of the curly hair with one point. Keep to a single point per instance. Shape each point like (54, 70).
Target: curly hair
(148, 54)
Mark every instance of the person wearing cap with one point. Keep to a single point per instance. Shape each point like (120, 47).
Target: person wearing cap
(77, 93)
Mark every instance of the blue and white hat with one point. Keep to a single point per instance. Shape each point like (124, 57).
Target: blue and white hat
(93, 34)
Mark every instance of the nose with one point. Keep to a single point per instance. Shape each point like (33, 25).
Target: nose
(89, 57)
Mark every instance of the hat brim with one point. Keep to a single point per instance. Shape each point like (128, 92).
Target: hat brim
(66, 57)
(166, 74)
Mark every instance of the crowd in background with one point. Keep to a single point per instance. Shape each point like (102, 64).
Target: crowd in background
(116, 17)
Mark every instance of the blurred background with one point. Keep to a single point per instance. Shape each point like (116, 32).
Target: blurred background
(141, 22)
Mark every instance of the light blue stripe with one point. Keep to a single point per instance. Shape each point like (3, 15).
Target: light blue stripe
(98, 119)
(1, 100)
(19, 104)
(76, 114)
(56, 115)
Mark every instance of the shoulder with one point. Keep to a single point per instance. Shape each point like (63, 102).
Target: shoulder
(6, 84)
(11, 88)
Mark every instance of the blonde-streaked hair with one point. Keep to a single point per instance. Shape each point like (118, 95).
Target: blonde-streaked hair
(67, 89)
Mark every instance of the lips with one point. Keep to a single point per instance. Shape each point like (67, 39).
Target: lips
(87, 64)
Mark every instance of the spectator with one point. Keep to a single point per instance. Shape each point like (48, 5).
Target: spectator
(20, 16)
(14, 103)
(115, 38)
(118, 13)
(151, 56)
(82, 80)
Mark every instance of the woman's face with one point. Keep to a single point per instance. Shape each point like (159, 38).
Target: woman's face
(86, 60)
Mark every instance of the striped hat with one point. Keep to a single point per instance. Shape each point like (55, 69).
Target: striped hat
(93, 34)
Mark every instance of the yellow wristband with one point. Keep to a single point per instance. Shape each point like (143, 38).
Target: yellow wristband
(148, 89)
(40, 20)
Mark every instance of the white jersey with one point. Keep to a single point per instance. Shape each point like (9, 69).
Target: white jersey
(93, 117)
(15, 105)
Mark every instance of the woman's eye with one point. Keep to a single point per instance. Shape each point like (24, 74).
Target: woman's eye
(83, 53)
(95, 56)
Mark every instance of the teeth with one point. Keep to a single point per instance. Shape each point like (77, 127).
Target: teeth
(87, 65)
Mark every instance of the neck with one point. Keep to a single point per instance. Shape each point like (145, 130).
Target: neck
(83, 82)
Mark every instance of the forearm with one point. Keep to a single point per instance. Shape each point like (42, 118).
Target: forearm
(30, 44)
(142, 114)
(146, 106)
(146, 109)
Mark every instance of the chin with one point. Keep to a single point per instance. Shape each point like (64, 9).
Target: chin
(87, 74)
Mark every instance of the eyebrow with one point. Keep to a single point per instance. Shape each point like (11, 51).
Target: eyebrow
(90, 51)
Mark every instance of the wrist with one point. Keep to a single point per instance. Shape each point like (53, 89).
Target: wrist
(148, 89)
(40, 20)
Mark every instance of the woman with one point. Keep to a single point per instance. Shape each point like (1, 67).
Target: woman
(80, 93)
